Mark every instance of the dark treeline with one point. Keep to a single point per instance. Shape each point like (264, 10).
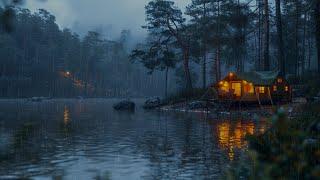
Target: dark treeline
(215, 36)
(39, 59)
(189, 49)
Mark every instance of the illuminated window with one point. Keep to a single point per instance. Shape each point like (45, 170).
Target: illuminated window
(286, 88)
(262, 90)
(248, 88)
(275, 88)
(224, 86)
(237, 88)
(280, 80)
(251, 88)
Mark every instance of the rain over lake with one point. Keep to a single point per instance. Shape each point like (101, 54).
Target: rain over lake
(159, 89)
(85, 139)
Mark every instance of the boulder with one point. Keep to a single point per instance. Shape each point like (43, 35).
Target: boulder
(197, 105)
(39, 99)
(125, 106)
(310, 142)
(152, 103)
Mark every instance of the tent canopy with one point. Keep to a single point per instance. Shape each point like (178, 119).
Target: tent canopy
(264, 78)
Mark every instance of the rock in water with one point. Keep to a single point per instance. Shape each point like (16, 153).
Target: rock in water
(197, 105)
(125, 105)
(152, 103)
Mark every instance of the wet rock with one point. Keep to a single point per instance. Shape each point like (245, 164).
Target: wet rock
(197, 105)
(125, 105)
(39, 99)
(80, 98)
(152, 103)
(310, 142)
(315, 99)
(315, 127)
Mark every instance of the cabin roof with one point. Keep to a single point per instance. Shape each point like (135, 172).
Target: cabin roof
(259, 77)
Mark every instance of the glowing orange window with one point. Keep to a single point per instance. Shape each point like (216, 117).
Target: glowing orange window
(286, 88)
(262, 90)
(275, 88)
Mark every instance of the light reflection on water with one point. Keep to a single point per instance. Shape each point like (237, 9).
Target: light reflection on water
(73, 139)
(231, 135)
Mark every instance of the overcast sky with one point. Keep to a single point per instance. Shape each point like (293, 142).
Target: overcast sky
(107, 16)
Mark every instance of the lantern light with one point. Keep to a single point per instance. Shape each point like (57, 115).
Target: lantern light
(275, 88)
(287, 88)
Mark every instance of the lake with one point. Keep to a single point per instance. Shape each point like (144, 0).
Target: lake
(87, 139)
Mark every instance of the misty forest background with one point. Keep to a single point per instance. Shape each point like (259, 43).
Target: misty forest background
(185, 49)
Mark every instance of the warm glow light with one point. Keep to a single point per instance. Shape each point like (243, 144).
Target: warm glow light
(279, 80)
(245, 82)
(249, 88)
(224, 86)
(221, 82)
(287, 88)
(68, 73)
(66, 115)
(231, 74)
(232, 136)
(261, 90)
(237, 89)
(275, 88)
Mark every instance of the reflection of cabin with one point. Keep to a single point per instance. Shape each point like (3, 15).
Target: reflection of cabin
(265, 86)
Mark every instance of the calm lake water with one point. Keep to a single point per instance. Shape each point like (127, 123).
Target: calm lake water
(87, 139)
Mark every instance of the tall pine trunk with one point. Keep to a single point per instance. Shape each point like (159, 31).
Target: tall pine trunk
(266, 60)
(281, 59)
(218, 64)
(204, 69)
(259, 63)
(204, 60)
(296, 46)
(187, 69)
(310, 33)
(166, 86)
(303, 59)
(317, 19)
(218, 50)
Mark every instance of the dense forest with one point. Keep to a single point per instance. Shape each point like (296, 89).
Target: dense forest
(39, 59)
(190, 48)
(212, 37)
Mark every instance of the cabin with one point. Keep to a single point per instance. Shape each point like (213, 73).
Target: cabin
(255, 86)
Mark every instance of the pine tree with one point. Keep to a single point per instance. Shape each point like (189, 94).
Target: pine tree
(164, 18)
(199, 11)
